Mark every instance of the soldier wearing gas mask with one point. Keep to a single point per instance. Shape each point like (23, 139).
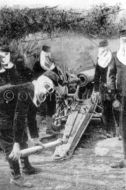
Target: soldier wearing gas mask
(105, 85)
(18, 106)
(8, 73)
(46, 66)
(120, 58)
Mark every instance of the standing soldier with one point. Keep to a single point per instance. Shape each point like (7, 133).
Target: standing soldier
(121, 89)
(25, 73)
(105, 83)
(47, 65)
(13, 73)
(8, 73)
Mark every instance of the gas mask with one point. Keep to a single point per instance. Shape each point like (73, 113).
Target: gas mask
(121, 53)
(46, 61)
(43, 86)
(5, 60)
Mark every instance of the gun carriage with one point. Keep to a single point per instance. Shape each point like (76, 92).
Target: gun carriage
(75, 110)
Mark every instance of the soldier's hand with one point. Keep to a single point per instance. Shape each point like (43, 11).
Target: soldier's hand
(94, 96)
(15, 153)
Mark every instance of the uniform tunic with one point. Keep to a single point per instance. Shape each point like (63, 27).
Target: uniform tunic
(9, 76)
(121, 93)
(48, 108)
(105, 77)
(105, 82)
(16, 107)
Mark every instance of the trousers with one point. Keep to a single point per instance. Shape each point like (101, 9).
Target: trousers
(6, 143)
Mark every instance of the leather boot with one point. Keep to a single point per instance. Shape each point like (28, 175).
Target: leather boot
(16, 177)
(14, 168)
(21, 182)
(27, 168)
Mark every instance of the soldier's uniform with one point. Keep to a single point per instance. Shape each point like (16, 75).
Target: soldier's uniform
(10, 76)
(25, 74)
(18, 106)
(13, 72)
(15, 106)
(105, 82)
(8, 72)
(47, 67)
(48, 108)
(120, 58)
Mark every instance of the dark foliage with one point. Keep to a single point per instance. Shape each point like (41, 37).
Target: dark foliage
(99, 21)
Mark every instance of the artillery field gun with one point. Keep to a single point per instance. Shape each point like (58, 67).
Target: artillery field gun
(74, 111)
(80, 113)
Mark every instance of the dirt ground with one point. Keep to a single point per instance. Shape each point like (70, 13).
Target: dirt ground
(88, 169)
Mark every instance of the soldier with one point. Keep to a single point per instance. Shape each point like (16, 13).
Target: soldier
(18, 102)
(47, 64)
(25, 73)
(120, 58)
(8, 73)
(2, 75)
(105, 83)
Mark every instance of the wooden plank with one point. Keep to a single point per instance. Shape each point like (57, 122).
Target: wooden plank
(80, 124)
(70, 123)
(82, 127)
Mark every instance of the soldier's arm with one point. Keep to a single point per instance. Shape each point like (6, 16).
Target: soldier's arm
(60, 75)
(112, 75)
(97, 78)
(14, 75)
(31, 121)
(19, 122)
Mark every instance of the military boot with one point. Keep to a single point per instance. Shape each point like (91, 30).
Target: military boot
(27, 168)
(16, 177)
(21, 182)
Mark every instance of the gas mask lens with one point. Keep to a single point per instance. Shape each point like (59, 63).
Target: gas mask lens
(41, 97)
(49, 89)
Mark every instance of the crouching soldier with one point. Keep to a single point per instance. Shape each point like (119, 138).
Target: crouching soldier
(18, 105)
(105, 84)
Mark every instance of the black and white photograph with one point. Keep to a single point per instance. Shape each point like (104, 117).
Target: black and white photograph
(63, 94)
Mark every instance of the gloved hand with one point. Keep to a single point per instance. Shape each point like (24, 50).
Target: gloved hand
(15, 153)
(94, 96)
(116, 105)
